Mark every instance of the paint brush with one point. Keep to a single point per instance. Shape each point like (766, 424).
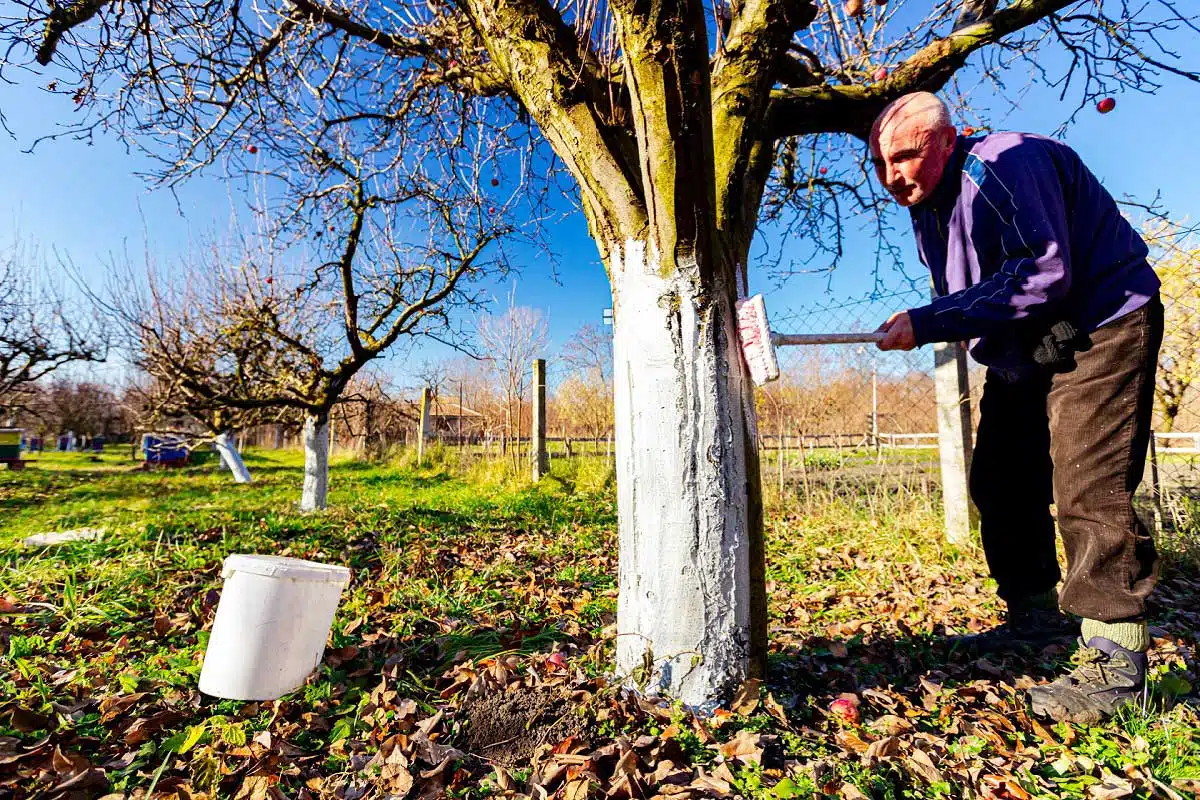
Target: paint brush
(759, 343)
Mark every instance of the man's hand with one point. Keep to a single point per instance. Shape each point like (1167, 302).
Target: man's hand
(899, 333)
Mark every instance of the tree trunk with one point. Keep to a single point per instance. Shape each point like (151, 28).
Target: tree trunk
(231, 458)
(692, 604)
(316, 461)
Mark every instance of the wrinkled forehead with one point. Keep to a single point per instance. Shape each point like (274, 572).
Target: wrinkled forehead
(900, 132)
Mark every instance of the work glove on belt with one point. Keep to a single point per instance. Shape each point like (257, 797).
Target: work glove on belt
(1057, 347)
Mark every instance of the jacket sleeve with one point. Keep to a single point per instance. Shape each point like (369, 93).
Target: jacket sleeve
(1016, 223)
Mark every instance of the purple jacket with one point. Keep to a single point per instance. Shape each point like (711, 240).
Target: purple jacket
(1018, 235)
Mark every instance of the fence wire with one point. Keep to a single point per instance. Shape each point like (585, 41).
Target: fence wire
(848, 417)
(851, 418)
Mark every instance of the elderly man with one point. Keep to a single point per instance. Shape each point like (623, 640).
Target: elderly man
(1031, 260)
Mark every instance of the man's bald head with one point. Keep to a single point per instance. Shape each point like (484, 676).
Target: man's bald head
(911, 142)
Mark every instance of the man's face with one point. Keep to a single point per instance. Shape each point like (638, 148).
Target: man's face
(909, 158)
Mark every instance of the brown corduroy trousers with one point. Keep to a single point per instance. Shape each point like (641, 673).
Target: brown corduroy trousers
(1076, 438)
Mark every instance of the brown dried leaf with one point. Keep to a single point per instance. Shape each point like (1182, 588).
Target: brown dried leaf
(848, 791)
(886, 747)
(1110, 787)
(849, 740)
(890, 724)
(775, 709)
(93, 778)
(743, 747)
(577, 789)
(747, 697)
(396, 777)
(922, 766)
(68, 764)
(113, 706)
(716, 786)
(254, 787)
(27, 721)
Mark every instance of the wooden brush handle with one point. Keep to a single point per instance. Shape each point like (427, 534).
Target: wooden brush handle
(786, 339)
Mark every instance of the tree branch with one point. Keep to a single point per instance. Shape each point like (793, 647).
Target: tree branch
(853, 108)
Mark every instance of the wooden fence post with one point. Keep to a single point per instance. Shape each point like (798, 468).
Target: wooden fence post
(953, 390)
(541, 464)
(423, 429)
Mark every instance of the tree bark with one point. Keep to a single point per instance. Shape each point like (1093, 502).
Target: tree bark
(231, 458)
(316, 461)
(688, 494)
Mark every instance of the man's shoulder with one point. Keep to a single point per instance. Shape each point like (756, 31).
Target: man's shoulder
(1008, 147)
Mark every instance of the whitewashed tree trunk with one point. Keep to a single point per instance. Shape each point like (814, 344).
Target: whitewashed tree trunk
(316, 461)
(231, 458)
(686, 518)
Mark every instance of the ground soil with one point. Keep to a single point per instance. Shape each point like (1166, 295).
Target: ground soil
(506, 728)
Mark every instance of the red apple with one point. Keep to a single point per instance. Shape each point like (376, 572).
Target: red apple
(251, 149)
(1106, 105)
(853, 8)
(844, 710)
(270, 280)
(823, 170)
(495, 181)
(491, 209)
(331, 229)
(879, 74)
(557, 661)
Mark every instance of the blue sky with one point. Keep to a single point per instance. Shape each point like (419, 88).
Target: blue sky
(85, 200)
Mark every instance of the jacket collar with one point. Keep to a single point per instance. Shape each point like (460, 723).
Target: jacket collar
(950, 184)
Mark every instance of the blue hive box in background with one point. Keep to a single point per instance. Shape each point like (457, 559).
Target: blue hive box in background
(164, 450)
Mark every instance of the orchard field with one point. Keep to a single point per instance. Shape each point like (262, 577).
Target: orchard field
(470, 654)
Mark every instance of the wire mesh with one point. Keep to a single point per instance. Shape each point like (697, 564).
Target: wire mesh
(1171, 488)
(848, 417)
(852, 418)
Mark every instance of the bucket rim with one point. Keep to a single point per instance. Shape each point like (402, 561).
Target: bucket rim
(284, 567)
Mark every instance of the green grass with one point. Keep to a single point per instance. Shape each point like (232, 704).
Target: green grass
(469, 567)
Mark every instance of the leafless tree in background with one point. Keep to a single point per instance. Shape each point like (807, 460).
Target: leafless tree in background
(587, 393)
(251, 329)
(683, 127)
(510, 341)
(1175, 254)
(40, 331)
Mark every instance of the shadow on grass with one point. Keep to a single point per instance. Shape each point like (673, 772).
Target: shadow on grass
(826, 666)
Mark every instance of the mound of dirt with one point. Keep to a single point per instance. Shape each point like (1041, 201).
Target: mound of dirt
(508, 727)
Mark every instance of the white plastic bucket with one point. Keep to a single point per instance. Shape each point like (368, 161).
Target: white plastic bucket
(271, 625)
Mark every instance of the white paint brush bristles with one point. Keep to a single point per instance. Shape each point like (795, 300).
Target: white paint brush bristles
(755, 334)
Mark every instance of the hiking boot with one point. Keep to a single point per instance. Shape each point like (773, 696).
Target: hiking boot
(1106, 677)
(1023, 629)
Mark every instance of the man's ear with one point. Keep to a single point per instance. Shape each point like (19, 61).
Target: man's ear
(949, 136)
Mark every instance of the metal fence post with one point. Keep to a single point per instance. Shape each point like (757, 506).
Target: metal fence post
(953, 390)
(540, 462)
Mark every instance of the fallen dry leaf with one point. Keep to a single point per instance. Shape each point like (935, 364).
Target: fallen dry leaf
(922, 765)
(743, 747)
(747, 697)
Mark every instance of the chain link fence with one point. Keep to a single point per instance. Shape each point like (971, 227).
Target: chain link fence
(849, 418)
(846, 419)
